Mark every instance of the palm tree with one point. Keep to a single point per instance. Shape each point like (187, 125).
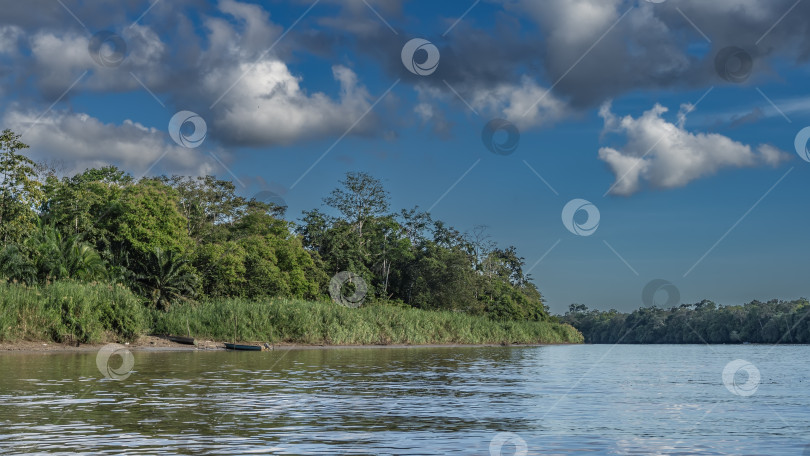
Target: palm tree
(118, 268)
(58, 257)
(16, 265)
(165, 277)
(83, 262)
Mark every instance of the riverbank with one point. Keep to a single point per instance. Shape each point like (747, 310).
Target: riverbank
(67, 313)
(159, 344)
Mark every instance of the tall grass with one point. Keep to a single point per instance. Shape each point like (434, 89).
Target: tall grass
(95, 312)
(280, 321)
(70, 312)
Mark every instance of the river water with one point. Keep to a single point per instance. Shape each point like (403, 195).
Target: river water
(588, 399)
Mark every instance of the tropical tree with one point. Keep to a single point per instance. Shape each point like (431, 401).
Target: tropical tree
(147, 217)
(15, 265)
(57, 257)
(360, 198)
(20, 190)
(164, 277)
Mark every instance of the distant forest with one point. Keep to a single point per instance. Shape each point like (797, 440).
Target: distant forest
(184, 239)
(771, 322)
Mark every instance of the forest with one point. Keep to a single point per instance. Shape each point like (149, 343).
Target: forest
(185, 241)
(772, 322)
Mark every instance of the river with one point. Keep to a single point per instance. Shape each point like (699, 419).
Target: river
(586, 399)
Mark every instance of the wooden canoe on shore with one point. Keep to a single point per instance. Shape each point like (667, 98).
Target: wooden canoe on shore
(229, 346)
(182, 340)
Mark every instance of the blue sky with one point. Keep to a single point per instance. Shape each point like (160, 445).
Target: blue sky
(709, 194)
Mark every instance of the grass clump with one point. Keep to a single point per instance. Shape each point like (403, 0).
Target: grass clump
(70, 312)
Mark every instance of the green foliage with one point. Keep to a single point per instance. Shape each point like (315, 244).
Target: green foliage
(59, 257)
(16, 265)
(360, 198)
(412, 259)
(81, 205)
(756, 322)
(165, 277)
(148, 218)
(20, 191)
(292, 321)
(95, 313)
(173, 239)
(222, 267)
(207, 204)
(70, 312)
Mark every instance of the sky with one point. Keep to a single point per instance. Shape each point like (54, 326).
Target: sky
(621, 146)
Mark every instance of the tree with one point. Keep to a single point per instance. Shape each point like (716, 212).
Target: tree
(58, 257)
(361, 198)
(20, 191)
(83, 205)
(165, 276)
(16, 265)
(146, 218)
(208, 204)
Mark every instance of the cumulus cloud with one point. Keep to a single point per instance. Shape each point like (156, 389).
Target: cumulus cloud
(629, 45)
(665, 155)
(525, 104)
(79, 141)
(190, 63)
(268, 106)
(219, 68)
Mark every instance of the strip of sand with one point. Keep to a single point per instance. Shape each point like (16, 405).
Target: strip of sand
(154, 343)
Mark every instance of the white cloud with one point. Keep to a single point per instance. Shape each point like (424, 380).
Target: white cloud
(59, 58)
(264, 103)
(573, 22)
(526, 104)
(268, 106)
(666, 155)
(78, 141)
(9, 34)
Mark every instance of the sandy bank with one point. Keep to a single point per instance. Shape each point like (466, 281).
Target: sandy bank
(153, 343)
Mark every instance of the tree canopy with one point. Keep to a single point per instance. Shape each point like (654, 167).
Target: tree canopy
(704, 322)
(188, 238)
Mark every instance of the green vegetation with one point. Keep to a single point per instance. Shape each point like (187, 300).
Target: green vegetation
(285, 321)
(95, 312)
(70, 312)
(177, 245)
(769, 322)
